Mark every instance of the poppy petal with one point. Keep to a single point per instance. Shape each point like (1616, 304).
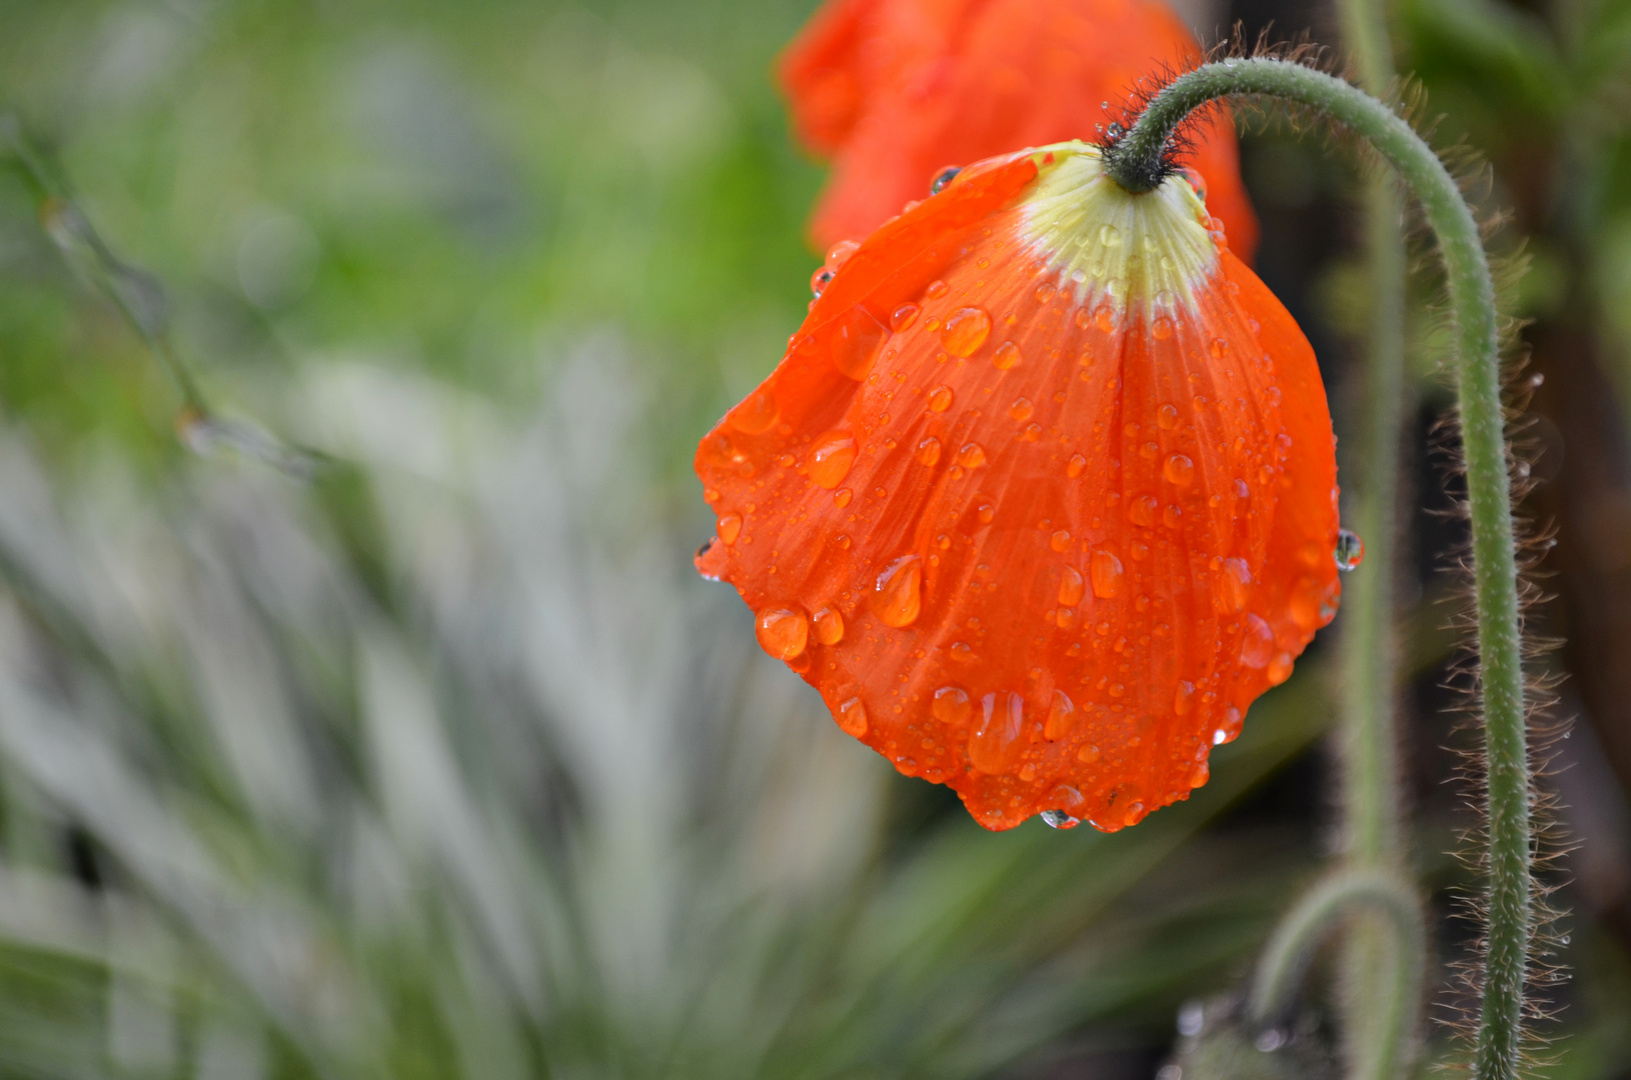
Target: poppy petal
(895, 90)
(1056, 474)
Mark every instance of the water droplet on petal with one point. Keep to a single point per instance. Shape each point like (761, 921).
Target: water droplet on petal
(1161, 328)
(944, 177)
(831, 458)
(841, 497)
(1167, 417)
(1006, 357)
(1179, 470)
(852, 718)
(1060, 540)
(1088, 754)
(1074, 467)
(1109, 236)
(1235, 578)
(928, 451)
(1107, 574)
(756, 414)
(1350, 550)
(904, 317)
(951, 706)
(1183, 698)
(829, 626)
(1061, 716)
(966, 330)
(971, 456)
(936, 290)
(1071, 587)
(857, 338)
(1058, 819)
(940, 399)
(782, 632)
(897, 595)
(1021, 409)
(1279, 668)
(730, 527)
(985, 512)
(1257, 643)
(1141, 511)
(992, 746)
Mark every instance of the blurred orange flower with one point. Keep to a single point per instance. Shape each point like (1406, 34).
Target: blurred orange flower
(893, 91)
(1042, 495)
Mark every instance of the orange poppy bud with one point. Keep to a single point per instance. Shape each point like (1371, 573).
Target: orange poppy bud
(1042, 495)
(893, 91)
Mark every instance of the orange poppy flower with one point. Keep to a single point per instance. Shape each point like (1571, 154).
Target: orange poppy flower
(1042, 495)
(895, 90)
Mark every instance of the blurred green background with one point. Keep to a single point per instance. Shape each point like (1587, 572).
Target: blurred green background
(441, 761)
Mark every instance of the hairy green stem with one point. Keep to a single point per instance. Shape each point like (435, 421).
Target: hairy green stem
(1135, 161)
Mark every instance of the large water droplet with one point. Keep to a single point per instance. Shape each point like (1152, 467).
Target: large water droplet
(897, 595)
(944, 177)
(903, 318)
(783, 632)
(1350, 550)
(756, 414)
(852, 718)
(1167, 417)
(829, 626)
(940, 399)
(993, 746)
(1279, 668)
(951, 706)
(966, 330)
(1107, 575)
(1074, 467)
(1141, 511)
(1179, 470)
(1183, 698)
(1257, 643)
(1021, 410)
(1058, 819)
(1161, 328)
(1071, 586)
(1109, 236)
(820, 279)
(1006, 357)
(928, 451)
(936, 290)
(1061, 716)
(730, 527)
(971, 456)
(1235, 578)
(831, 457)
(857, 339)
(1134, 813)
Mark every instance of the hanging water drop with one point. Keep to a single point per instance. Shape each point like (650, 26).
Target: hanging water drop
(1350, 551)
(1058, 819)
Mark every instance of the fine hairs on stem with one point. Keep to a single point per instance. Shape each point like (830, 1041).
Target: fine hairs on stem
(1133, 158)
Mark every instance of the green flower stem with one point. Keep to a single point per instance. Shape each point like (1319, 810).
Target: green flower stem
(1344, 895)
(1135, 162)
(1379, 1031)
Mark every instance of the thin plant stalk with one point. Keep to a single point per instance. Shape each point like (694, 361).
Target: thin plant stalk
(1379, 1025)
(1136, 161)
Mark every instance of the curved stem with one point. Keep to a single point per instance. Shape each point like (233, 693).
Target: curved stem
(1135, 161)
(1343, 895)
